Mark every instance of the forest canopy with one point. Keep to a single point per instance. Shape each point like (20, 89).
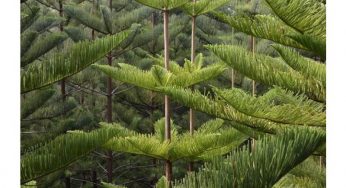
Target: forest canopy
(173, 93)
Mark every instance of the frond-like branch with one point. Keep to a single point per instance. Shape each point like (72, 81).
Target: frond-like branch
(41, 46)
(218, 108)
(76, 33)
(29, 19)
(158, 76)
(203, 6)
(26, 40)
(272, 158)
(307, 17)
(163, 4)
(36, 101)
(261, 26)
(87, 19)
(63, 65)
(44, 23)
(269, 71)
(307, 67)
(260, 107)
(64, 150)
(202, 145)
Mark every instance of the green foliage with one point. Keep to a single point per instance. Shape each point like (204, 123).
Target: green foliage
(162, 183)
(219, 108)
(158, 76)
(310, 21)
(268, 70)
(41, 46)
(26, 40)
(44, 23)
(203, 6)
(203, 144)
(273, 157)
(27, 20)
(87, 19)
(65, 150)
(75, 33)
(107, 18)
(308, 174)
(307, 67)
(109, 185)
(261, 107)
(261, 26)
(40, 98)
(62, 65)
(163, 4)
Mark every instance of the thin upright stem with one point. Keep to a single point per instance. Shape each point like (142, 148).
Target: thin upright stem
(168, 169)
(193, 51)
(61, 27)
(109, 112)
(253, 43)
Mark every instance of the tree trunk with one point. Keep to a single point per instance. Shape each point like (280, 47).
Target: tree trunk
(109, 120)
(232, 78)
(167, 101)
(193, 46)
(109, 113)
(62, 83)
(253, 43)
(67, 182)
(94, 179)
(193, 51)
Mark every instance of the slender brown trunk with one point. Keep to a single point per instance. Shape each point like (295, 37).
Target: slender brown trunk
(67, 182)
(169, 172)
(109, 112)
(193, 51)
(167, 101)
(61, 14)
(110, 5)
(81, 99)
(94, 179)
(62, 83)
(153, 23)
(232, 70)
(110, 167)
(253, 43)
(109, 120)
(109, 92)
(92, 12)
(190, 167)
(322, 164)
(232, 78)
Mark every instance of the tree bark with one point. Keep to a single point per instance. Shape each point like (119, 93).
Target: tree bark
(193, 51)
(167, 101)
(253, 43)
(109, 120)
(67, 182)
(61, 27)
(109, 112)
(94, 179)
